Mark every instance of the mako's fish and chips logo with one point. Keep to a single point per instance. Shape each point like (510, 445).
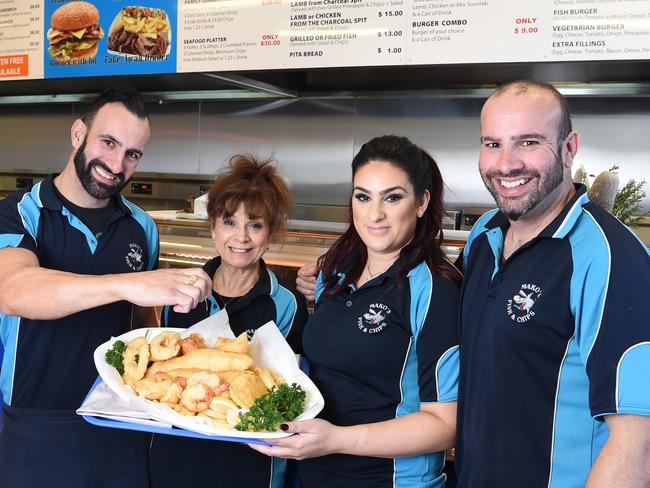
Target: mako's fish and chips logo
(519, 307)
(374, 321)
(134, 257)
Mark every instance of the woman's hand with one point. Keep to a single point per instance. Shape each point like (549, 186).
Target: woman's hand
(312, 438)
(431, 429)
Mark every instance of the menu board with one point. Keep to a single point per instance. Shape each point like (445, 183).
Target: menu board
(168, 36)
(21, 45)
(105, 37)
(489, 31)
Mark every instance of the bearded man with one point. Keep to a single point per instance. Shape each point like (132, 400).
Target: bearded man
(75, 257)
(555, 337)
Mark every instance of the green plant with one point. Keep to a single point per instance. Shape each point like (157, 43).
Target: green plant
(626, 205)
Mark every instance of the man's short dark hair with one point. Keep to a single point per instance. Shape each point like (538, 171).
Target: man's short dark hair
(521, 87)
(128, 97)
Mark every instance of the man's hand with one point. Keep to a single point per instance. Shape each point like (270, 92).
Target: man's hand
(31, 291)
(306, 281)
(184, 289)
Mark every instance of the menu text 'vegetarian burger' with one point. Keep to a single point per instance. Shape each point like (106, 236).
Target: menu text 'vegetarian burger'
(140, 31)
(75, 32)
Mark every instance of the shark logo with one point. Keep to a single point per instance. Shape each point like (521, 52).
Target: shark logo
(134, 257)
(374, 321)
(524, 302)
(373, 317)
(519, 307)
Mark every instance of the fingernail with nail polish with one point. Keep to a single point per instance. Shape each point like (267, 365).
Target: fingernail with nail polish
(284, 427)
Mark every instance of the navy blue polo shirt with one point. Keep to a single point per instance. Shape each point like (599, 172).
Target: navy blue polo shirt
(48, 364)
(378, 353)
(230, 463)
(552, 339)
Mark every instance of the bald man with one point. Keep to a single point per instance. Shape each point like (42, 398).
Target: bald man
(555, 337)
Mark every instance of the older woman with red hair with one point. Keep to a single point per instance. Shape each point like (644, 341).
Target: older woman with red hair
(247, 205)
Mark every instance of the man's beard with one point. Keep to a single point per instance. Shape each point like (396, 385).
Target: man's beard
(514, 210)
(94, 188)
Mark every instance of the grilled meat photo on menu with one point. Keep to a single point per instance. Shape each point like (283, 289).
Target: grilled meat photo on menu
(140, 31)
(74, 32)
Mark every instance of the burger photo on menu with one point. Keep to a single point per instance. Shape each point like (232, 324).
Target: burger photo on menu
(140, 31)
(74, 32)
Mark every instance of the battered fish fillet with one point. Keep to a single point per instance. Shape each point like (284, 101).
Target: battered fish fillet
(245, 388)
(208, 359)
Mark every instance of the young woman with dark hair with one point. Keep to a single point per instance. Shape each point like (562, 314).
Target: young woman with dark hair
(383, 342)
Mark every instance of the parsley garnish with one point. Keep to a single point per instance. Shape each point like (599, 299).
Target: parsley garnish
(114, 356)
(280, 404)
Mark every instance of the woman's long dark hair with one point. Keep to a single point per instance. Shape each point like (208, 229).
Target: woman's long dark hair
(423, 174)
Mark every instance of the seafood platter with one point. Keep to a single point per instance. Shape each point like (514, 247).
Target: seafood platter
(205, 380)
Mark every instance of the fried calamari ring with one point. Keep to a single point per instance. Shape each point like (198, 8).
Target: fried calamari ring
(135, 359)
(165, 346)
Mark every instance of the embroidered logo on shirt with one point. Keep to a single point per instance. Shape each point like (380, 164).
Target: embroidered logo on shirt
(519, 307)
(374, 321)
(134, 257)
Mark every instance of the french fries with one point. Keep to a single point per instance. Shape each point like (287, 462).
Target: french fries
(141, 20)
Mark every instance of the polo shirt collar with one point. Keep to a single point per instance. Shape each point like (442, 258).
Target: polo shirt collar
(391, 273)
(267, 283)
(561, 225)
(566, 220)
(51, 201)
(48, 196)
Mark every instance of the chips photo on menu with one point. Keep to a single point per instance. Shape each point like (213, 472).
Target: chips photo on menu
(140, 31)
(74, 32)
